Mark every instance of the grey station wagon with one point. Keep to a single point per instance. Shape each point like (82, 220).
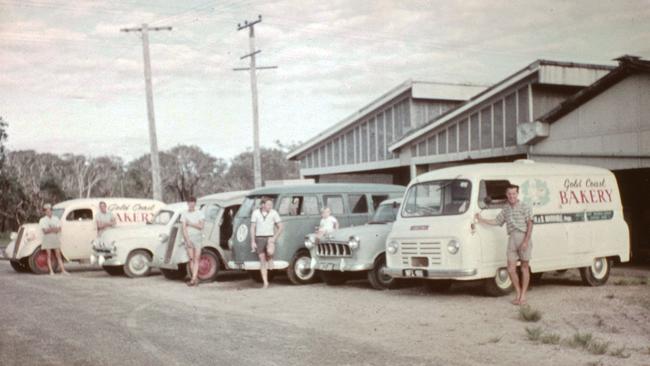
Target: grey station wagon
(356, 250)
(299, 208)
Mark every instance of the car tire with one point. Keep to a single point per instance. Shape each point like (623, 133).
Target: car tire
(114, 270)
(19, 266)
(37, 262)
(209, 266)
(300, 271)
(499, 285)
(438, 286)
(138, 264)
(175, 274)
(598, 273)
(333, 278)
(378, 279)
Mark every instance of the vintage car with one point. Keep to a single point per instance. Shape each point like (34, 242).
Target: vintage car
(299, 208)
(356, 250)
(170, 255)
(128, 250)
(78, 230)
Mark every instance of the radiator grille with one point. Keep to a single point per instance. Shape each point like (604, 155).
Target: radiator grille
(334, 249)
(429, 249)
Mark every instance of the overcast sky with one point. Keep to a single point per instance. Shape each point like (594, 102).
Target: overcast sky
(70, 81)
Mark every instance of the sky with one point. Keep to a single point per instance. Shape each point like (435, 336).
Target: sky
(71, 82)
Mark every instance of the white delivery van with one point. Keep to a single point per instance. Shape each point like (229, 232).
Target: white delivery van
(78, 230)
(577, 214)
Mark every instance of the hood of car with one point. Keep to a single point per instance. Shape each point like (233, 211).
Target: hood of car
(126, 233)
(363, 232)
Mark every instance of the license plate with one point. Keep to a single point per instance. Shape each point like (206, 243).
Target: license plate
(415, 273)
(326, 266)
(420, 262)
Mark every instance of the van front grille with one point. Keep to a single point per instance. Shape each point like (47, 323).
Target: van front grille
(429, 249)
(18, 239)
(170, 244)
(333, 249)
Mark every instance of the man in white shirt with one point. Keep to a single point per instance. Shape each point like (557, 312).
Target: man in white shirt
(193, 221)
(328, 223)
(104, 219)
(264, 222)
(51, 227)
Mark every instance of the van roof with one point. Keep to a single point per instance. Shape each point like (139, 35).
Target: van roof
(328, 188)
(519, 167)
(108, 200)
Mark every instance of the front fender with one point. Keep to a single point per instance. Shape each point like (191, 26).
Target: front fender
(26, 248)
(125, 247)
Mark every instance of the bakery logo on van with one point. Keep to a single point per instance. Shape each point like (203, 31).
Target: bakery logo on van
(585, 191)
(535, 192)
(132, 213)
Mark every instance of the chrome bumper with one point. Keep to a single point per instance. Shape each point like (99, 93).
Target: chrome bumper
(255, 265)
(429, 273)
(105, 259)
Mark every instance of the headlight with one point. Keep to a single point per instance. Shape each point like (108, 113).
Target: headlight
(354, 242)
(310, 241)
(163, 237)
(392, 246)
(13, 235)
(453, 246)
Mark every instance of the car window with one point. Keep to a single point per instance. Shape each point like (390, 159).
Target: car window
(211, 212)
(82, 214)
(309, 206)
(358, 203)
(377, 199)
(335, 203)
(492, 193)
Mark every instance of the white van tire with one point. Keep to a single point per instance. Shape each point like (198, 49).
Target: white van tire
(138, 264)
(300, 271)
(209, 266)
(598, 273)
(377, 277)
(499, 285)
(333, 278)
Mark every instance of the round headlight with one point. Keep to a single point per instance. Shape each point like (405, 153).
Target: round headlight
(310, 241)
(392, 246)
(453, 246)
(354, 242)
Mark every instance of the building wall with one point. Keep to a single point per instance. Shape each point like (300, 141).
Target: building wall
(611, 130)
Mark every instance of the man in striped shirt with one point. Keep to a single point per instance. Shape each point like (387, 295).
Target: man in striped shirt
(518, 218)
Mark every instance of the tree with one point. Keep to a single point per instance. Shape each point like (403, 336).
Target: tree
(12, 196)
(275, 166)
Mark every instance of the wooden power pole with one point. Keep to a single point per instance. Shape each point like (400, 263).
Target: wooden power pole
(257, 165)
(153, 141)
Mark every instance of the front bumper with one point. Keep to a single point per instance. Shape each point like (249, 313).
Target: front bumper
(340, 264)
(255, 265)
(430, 273)
(105, 259)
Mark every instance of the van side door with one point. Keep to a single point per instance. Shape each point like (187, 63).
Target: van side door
(78, 230)
(493, 239)
(211, 227)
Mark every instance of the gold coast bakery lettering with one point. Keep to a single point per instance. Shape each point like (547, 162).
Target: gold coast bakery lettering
(585, 191)
(132, 213)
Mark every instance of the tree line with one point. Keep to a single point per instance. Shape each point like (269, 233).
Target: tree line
(28, 179)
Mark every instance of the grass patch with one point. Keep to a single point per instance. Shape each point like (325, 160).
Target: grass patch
(550, 338)
(597, 347)
(534, 333)
(631, 281)
(620, 353)
(609, 296)
(580, 340)
(528, 314)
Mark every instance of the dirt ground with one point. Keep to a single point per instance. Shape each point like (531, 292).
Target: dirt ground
(318, 324)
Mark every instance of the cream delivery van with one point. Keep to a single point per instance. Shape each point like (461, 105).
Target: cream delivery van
(577, 214)
(78, 230)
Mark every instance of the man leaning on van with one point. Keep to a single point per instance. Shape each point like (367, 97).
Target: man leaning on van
(518, 218)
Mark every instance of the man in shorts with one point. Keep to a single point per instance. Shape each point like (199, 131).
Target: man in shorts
(518, 218)
(193, 221)
(104, 219)
(264, 222)
(51, 227)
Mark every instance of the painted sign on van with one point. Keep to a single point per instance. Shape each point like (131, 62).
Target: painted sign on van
(585, 191)
(132, 213)
(535, 192)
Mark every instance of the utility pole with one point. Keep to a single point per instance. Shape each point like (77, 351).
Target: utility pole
(257, 165)
(153, 140)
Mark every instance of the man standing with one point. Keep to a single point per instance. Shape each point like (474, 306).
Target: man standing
(518, 218)
(264, 222)
(104, 219)
(51, 227)
(193, 221)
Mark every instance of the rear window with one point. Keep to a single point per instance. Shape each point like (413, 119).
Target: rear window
(335, 204)
(298, 205)
(83, 214)
(358, 203)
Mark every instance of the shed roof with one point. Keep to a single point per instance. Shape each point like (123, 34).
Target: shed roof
(328, 188)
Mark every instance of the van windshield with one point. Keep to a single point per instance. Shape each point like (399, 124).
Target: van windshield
(250, 203)
(437, 198)
(163, 217)
(58, 212)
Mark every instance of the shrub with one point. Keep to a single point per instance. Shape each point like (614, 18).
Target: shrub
(534, 333)
(528, 314)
